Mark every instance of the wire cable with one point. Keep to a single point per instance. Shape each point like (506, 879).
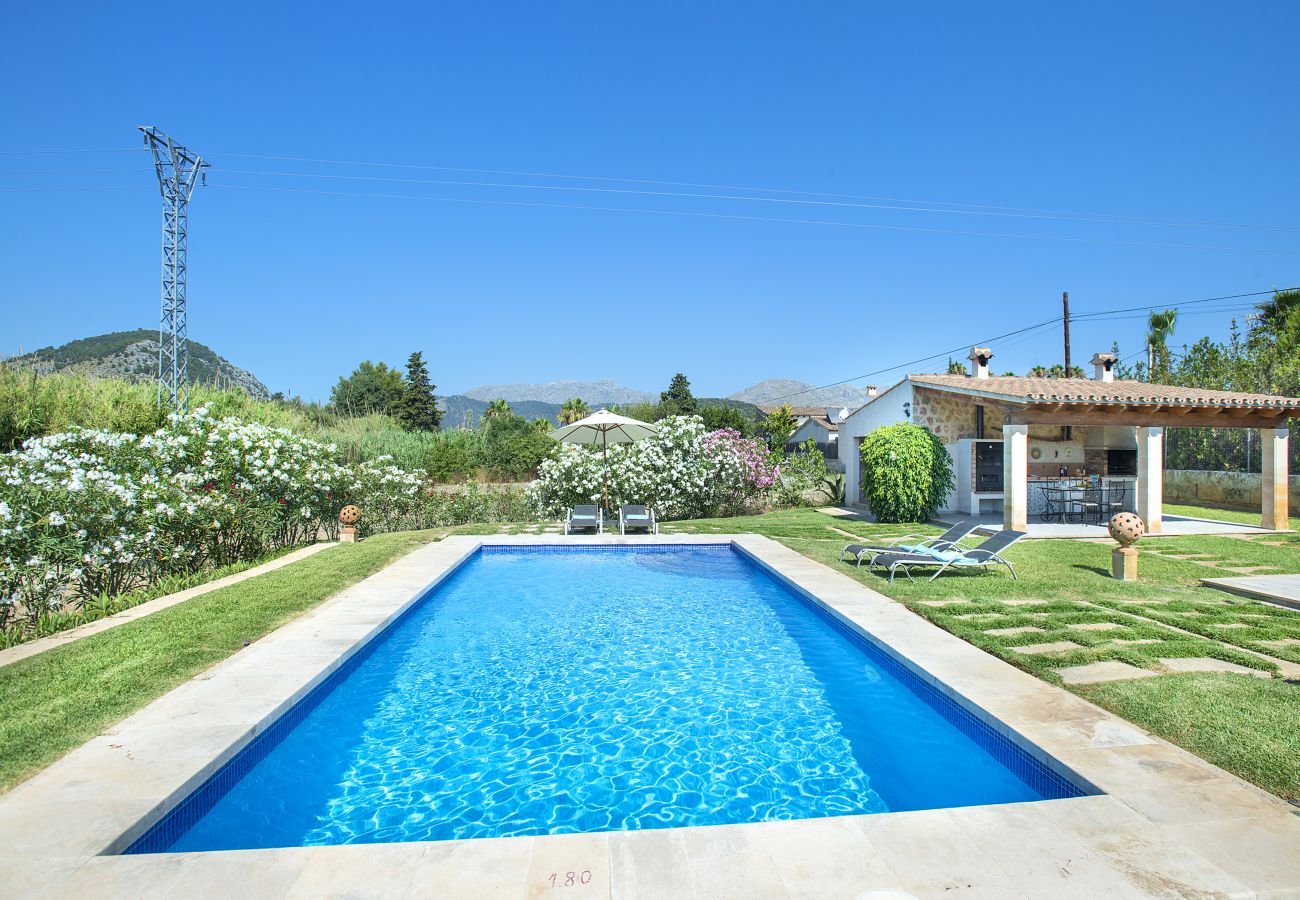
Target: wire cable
(1147, 220)
(698, 196)
(1073, 318)
(749, 218)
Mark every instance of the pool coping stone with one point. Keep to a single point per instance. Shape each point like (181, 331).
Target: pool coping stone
(1168, 823)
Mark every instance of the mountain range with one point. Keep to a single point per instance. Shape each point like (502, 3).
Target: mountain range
(595, 393)
(133, 355)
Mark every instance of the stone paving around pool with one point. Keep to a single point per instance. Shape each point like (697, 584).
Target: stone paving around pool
(1161, 822)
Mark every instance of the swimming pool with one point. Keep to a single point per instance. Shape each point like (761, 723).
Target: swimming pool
(542, 690)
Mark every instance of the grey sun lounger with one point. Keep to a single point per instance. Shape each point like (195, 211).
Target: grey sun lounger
(914, 543)
(585, 516)
(634, 515)
(986, 554)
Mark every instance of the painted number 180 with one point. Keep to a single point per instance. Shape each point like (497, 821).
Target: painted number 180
(569, 879)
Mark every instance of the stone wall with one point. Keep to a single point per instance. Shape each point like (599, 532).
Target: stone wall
(1234, 490)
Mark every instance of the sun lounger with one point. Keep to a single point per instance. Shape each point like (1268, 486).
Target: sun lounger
(914, 543)
(632, 515)
(586, 516)
(986, 554)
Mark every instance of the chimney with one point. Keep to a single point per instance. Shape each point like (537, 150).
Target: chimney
(872, 391)
(979, 361)
(1103, 366)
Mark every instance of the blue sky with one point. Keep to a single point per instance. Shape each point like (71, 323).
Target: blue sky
(1173, 111)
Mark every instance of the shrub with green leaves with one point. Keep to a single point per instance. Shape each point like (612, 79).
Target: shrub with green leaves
(906, 473)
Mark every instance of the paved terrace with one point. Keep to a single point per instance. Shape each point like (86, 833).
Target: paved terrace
(1179, 526)
(1167, 824)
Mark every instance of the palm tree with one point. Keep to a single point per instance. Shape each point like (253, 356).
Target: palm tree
(1160, 325)
(573, 410)
(1274, 314)
(497, 409)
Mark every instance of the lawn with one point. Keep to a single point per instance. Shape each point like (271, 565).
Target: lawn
(52, 702)
(1217, 513)
(1064, 593)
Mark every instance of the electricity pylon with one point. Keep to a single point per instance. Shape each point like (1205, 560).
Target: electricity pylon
(178, 170)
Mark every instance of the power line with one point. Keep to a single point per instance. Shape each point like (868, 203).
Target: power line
(1137, 220)
(914, 362)
(732, 197)
(749, 218)
(1031, 328)
(969, 208)
(1188, 302)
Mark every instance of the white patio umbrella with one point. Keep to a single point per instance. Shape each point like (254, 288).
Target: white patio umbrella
(604, 427)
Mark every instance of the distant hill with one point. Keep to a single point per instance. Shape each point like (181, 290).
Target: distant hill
(595, 393)
(133, 355)
(459, 411)
(775, 391)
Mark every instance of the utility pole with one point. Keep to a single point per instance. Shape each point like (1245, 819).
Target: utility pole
(178, 170)
(1065, 304)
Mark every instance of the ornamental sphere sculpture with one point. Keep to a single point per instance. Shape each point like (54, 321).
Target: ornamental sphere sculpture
(1126, 528)
(348, 518)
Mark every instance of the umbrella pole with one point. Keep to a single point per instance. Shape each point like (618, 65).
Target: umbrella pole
(604, 447)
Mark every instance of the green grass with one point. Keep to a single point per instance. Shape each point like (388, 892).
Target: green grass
(1217, 513)
(1245, 725)
(1241, 723)
(52, 702)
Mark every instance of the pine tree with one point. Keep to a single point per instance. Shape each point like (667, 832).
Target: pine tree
(678, 399)
(418, 409)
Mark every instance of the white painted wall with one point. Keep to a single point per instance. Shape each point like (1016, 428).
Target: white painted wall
(811, 428)
(892, 406)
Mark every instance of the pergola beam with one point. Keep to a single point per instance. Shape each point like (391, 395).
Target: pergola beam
(1177, 416)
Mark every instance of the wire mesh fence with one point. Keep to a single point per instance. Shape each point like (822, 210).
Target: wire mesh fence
(1222, 449)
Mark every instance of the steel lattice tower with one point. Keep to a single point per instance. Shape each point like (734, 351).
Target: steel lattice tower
(178, 170)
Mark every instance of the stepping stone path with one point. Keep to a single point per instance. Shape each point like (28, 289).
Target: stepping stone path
(1136, 641)
(1206, 664)
(982, 615)
(1106, 670)
(1093, 626)
(1054, 647)
(1228, 625)
(944, 602)
(1023, 629)
(1024, 602)
(1282, 644)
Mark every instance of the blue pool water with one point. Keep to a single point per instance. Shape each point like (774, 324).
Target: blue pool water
(548, 690)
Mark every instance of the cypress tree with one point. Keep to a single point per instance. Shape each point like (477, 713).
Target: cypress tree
(418, 409)
(678, 399)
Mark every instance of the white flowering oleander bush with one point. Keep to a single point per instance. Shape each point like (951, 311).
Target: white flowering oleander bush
(88, 515)
(685, 471)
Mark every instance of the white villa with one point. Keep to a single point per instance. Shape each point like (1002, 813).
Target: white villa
(1015, 440)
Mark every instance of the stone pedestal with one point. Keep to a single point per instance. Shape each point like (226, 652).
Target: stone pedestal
(348, 534)
(1124, 563)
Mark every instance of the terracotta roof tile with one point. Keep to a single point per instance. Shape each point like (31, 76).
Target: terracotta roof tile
(1085, 390)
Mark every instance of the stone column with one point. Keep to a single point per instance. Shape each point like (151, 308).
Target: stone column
(1015, 477)
(1150, 480)
(1273, 447)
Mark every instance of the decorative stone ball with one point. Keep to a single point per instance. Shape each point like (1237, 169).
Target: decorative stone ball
(349, 515)
(1126, 527)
